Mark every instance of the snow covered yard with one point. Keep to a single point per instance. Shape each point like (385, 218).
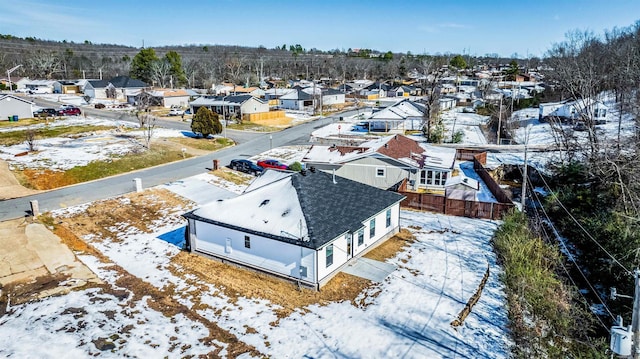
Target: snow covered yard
(158, 303)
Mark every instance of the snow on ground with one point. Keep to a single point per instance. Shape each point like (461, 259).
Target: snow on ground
(469, 123)
(63, 153)
(408, 315)
(285, 154)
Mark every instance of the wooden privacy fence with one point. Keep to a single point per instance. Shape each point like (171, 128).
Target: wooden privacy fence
(263, 116)
(458, 207)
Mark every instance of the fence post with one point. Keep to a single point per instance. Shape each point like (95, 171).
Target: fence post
(35, 208)
(138, 184)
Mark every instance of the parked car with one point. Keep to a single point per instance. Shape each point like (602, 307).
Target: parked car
(245, 166)
(176, 112)
(272, 164)
(45, 112)
(69, 111)
(580, 126)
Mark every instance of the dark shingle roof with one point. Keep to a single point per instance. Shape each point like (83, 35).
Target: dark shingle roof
(331, 209)
(126, 82)
(238, 98)
(98, 83)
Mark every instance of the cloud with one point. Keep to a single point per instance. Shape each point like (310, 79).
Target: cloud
(40, 15)
(452, 25)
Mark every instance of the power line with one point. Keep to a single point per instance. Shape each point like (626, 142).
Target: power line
(584, 230)
(572, 259)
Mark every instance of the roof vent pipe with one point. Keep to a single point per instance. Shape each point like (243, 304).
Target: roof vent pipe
(334, 176)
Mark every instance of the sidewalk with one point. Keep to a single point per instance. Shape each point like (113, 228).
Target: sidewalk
(29, 251)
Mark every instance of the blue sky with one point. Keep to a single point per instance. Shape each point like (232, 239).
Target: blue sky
(421, 26)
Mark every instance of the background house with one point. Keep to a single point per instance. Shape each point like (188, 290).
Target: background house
(11, 105)
(230, 106)
(302, 227)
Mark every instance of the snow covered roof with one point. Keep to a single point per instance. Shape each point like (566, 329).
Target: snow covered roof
(462, 180)
(399, 111)
(307, 210)
(399, 147)
(8, 97)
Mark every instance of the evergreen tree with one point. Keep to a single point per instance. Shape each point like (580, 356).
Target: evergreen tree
(458, 62)
(142, 63)
(176, 70)
(206, 122)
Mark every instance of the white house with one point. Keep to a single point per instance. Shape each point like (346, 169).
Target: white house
(303, 227)
(329, 96)
(574, 110)
(297, 100)
(11, 105)
(403, 115)
(43, 86)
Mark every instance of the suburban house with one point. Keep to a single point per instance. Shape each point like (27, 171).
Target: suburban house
(230, 106)
(329, 96)
(44, 86)
(399, 117)
(227, 88)
(16, 82)
(386, 162)
(11, 106)
(574, 110)
(375, 91)
(297, 100)
(97, 89)
(303, 227)
(164, 97)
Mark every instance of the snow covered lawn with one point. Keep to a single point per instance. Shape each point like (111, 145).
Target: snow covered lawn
(153, 307)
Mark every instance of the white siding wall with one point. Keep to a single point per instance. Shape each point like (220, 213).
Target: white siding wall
(11, 106)
(340, 255)
(332, 99)
(272, 255)
(254, 106)
(176, 100)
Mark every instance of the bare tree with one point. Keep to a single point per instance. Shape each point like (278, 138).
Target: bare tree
(31, 139)
(160, 71)
(44, 64)
(146, 120)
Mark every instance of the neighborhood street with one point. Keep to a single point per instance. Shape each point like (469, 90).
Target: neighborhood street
(250, 144)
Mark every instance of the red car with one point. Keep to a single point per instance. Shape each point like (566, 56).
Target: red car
(272, 164)
(69, 111)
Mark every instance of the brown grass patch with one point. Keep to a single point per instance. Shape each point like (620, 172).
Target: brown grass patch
(392, 246)
(237, 282)
(236, 177)
(25, 291)
(135, 210)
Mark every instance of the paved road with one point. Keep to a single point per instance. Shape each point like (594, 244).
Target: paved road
(117, 185)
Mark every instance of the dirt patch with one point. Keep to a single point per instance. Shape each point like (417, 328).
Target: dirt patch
(392, 246)
(237, 282)
(232, 176)
(136, 210)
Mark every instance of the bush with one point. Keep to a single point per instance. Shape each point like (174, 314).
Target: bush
(296, 166)
(99, 105)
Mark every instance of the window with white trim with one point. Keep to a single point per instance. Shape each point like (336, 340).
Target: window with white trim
(372, 228)
(360, 237)
(329, 255)
(388, 223)
(380, 172)
(247, 242)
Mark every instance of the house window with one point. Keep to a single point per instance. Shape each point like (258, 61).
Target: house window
(329, 254)
(429, 177)
(360, 237)
(380, 172)
(303, 271)
(372, 228)
(247, 242)
(388, 217)
(423, 177)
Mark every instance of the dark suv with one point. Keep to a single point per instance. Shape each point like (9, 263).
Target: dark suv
(46, 112)
(245, 166)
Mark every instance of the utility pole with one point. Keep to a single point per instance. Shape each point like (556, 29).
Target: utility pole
(499, 118)
(635, 321)
(523, 196)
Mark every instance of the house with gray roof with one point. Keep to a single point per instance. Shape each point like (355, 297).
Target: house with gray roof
(303, 227)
